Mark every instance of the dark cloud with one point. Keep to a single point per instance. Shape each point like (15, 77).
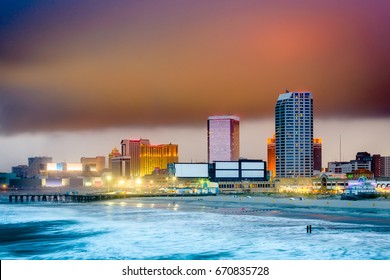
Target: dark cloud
(72, 66)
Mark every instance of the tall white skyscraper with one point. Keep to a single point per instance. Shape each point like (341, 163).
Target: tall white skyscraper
(223, 139)
(294, 135)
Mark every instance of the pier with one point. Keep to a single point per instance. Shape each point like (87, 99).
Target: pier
(82, 198)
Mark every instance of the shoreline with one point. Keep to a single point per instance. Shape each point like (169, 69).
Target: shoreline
(373, 211)
(360, 214)
(268, 199)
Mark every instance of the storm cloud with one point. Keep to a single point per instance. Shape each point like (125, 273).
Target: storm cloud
(74, 65)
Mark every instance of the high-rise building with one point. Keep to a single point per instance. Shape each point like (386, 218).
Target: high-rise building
(120, 166)
(132, 148)
(114, 153)
(145, 157)
(271, 156)
(157, 157)
(317, 154)
(376, 165)
(223, 138)
(385, 166)
(294, 135)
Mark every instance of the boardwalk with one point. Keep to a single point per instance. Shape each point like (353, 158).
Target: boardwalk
(79, 198)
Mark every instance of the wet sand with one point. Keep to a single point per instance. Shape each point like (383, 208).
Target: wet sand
(373, 211)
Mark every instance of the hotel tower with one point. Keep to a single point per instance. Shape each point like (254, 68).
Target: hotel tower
(223, 133)
(294, 135)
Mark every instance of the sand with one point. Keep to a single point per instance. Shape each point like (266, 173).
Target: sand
(374, 211)
(257, 201)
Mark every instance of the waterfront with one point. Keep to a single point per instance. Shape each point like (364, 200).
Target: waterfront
(194, 228)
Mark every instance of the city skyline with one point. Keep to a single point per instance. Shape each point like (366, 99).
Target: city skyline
(76, 78)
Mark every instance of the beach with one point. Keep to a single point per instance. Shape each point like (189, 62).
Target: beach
(363, 211)
(331, 209)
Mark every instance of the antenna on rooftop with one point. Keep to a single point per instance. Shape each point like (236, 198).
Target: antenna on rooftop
(340, 147)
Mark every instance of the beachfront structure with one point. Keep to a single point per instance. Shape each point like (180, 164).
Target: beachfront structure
(242, 176)
(61, 170)
(376, 165)
(36, 165)
(385, 166)
(121, 166)
(191, 170)
(21, 171)
(294, 135)
(243, 169)
(223, 138)
(330, 182)
(380, 165)
(145, 157)
(114, 153)
(347, 167)
(93, 165)
(271, 156)
(317, 154)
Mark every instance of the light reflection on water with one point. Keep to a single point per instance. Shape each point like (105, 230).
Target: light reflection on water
(131, 230)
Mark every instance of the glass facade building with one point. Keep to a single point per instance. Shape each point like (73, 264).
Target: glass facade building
(223, 138)
(294, 135)
(146, 158)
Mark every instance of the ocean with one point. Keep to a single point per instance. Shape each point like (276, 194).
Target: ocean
(136, 229)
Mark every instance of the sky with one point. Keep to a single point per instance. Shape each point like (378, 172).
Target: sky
(76, 77)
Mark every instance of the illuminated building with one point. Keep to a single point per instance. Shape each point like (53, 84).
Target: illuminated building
(223, 138)
(271, 156)
(348, 166)
(145, 157)
(121, 166)
(242, 176)
(354, 175)
(62, 170)
(114, 153)
(5, 179)
(363, 157)
(93, 164)
(36, 165)
(294, 135)
(363, 161)
(317, 154)
(132, 148)
(376, 165)
(385, 166)
(157, 156)
(21, 171)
